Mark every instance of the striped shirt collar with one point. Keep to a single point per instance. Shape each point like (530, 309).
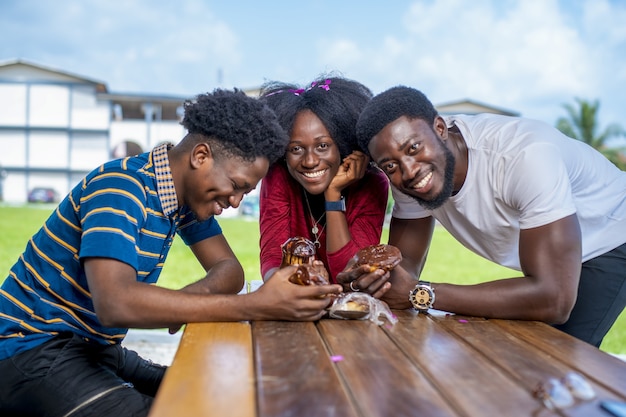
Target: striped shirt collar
(164, 180)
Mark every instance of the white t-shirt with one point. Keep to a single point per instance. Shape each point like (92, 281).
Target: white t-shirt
(522, 174)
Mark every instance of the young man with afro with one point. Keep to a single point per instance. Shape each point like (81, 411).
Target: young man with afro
(85, 277)
(517, 192)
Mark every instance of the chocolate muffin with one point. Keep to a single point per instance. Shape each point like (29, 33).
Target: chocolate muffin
(351, 306)
(309, 274)
(297, 251)
(378, 257)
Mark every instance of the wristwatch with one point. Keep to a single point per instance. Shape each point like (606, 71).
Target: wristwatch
(336, 205)
(422, 296)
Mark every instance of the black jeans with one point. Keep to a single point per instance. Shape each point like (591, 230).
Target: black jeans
(69, 376)
(601, 297)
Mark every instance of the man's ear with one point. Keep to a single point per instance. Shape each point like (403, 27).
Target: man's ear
(440, 127)
(200, 155)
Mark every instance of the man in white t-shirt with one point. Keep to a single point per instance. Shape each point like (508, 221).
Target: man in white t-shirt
(515, 191)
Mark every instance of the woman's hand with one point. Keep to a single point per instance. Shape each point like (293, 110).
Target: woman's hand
(352, 169)
(363, 279)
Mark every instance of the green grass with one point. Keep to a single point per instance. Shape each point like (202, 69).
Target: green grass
(448, 260)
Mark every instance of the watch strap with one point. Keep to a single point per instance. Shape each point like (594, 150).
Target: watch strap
(339, 205)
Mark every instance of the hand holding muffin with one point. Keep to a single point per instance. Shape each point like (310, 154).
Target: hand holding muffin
(382, 256)
(368, 271)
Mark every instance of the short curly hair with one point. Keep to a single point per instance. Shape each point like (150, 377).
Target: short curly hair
(390, 105)
(235, 124)
(337, 101)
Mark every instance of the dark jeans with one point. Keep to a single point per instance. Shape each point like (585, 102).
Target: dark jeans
(69, 376)
(601, 297)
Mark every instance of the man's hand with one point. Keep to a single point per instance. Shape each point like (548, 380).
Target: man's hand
(401, 283)
(280, 299)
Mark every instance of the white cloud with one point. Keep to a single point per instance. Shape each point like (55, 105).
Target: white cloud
(340, 53)
(138, 46)
(530, 56)
(182, 54)
(526, 55)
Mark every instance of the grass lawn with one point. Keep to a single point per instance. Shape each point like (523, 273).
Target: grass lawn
(448, 260)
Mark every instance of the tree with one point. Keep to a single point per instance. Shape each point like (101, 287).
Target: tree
(582, 124)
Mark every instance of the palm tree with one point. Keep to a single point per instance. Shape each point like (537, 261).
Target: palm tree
(582, 124)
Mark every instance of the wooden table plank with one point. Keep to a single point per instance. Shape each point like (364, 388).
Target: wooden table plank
(605, 373)
(604, 369)
(296, 376)
(212, 373)
(517, 354)
(382, 382)
(471, 382)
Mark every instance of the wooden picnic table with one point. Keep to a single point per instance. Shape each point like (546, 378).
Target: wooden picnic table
(424, 365)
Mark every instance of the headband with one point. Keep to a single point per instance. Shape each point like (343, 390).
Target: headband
(297, 92)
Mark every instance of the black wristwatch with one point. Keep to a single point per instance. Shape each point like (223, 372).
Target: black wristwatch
(336, 205)
(422, 296)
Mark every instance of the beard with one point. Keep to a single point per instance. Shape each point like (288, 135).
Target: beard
(448, 183)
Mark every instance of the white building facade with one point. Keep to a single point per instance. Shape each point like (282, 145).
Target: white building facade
(55, 127)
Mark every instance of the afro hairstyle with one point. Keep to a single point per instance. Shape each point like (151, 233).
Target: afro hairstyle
(235, 124)
(390, 105)
(336, 101)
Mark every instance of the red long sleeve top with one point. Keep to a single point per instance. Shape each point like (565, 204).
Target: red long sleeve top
(283, 214)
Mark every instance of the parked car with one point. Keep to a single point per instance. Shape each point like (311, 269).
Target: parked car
(43, 195)
(249, 206)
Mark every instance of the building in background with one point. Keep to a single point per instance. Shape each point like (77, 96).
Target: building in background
(468, 106)
(56, 126)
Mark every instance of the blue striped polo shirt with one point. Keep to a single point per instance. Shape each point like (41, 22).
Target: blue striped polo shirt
(126, 210)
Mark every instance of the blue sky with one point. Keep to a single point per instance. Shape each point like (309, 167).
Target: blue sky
(529, 56)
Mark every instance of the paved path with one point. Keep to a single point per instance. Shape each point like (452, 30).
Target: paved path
(157, 345)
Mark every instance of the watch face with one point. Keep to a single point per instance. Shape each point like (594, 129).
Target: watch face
(422, 297)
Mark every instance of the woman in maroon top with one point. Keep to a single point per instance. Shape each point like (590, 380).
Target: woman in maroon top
(324, 188)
